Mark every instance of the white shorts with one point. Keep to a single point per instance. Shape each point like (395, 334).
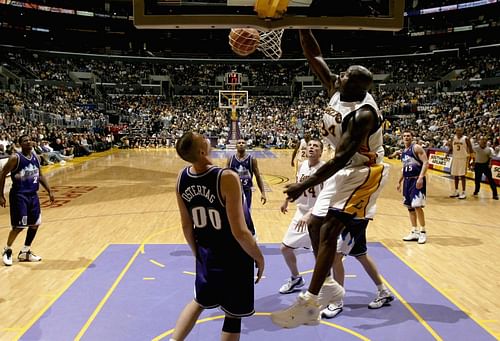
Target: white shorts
(353, 190)
(295, 239)
(458, 166)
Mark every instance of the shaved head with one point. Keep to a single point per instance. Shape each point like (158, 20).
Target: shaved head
(361, 76)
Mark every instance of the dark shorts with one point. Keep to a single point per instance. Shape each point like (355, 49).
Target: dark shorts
(352, 240)
(226, 281)
(413, 197)
(24, 209)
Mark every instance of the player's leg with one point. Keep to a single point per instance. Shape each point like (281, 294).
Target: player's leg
(294, 239)
(290, 259)
(231, 328)
(454, 171)
(327, 246)
(34, 221)
(478, 173)
(18, 221)
(422, 238)
(307, 308)
(384, 296)
(295, 281)
(409, 187)
(7, 250)
(462, 194)
(414, 232)
(335, 308)
(313, 227)
(338, 269)
(455, 193)
(186, 321)
(356, 246)
(489, 177)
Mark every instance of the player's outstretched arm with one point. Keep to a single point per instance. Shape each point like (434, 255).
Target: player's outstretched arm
(318, 65)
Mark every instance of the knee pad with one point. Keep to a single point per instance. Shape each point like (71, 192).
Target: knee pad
(232, 325)
(411, 209)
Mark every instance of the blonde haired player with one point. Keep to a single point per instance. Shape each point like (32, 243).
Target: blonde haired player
(297, 236)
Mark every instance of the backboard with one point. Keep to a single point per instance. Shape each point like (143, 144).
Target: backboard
(380, 15)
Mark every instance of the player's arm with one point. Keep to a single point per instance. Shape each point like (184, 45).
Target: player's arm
(186, 223)
(260, 182)
(228, 162)
(45, 183)
(470, 151)
(450, 147)
(469, 146)
(231, 193)
(400, 181)
(312, 52)
(7, 168)
(422, 155)
(357, 131)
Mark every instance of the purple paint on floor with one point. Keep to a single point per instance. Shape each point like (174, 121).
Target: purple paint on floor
(142, 309)
(64, 319)
(442, 315)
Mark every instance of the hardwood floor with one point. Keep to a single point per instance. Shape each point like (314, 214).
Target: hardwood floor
(128, 197)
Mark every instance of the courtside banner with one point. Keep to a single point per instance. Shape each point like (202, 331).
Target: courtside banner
(495, 170)
(439, 160)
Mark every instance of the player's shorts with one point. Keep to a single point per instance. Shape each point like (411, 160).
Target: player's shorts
(413, 197)
(352, 190)
(352, 240)
(458, 166)
(24, 209)
(295, 239)
(226, 281)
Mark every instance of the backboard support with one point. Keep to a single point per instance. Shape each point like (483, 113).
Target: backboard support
(226, 14)
(233, 99)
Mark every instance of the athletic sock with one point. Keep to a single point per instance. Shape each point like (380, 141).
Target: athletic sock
(308, 295)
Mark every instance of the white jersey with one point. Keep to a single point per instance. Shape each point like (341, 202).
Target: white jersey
(308, 198)
(460, 147)
(340, 111)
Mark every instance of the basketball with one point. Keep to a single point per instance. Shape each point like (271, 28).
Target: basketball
(244, 41)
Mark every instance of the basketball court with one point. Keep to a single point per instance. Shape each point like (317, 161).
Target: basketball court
(115, 265)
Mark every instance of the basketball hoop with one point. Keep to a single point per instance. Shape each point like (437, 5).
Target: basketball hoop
(270, 43)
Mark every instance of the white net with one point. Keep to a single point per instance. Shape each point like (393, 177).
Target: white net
(270, 43)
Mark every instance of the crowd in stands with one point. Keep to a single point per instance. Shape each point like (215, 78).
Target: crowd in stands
(397, 69)
(65, 121)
